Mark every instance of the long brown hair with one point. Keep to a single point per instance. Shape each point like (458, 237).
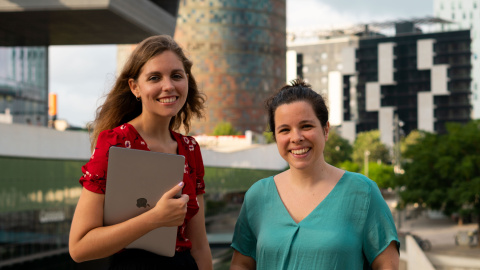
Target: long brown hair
(121, 106)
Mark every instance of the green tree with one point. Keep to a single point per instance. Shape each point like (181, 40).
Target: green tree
(381, 173)
(225, 128)
(412, 138)
(337, 149)
(349, 166)
(444, 170)
(268, 137)
(370, 141)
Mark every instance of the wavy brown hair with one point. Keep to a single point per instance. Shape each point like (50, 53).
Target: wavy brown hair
(121, 106)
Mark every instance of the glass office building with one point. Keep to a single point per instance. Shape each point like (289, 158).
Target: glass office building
(24, 85)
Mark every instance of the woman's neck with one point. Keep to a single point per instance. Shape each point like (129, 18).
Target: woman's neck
(153, 130)
(310, 176)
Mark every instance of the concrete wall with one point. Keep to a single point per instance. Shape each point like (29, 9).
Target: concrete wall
(414, 256)
(372, 96)
(349, 131)
(40, 142)
(385, 125)
(425, 54)
(291, 65)
(261, 157)
(335, 98)
(425, 111)
(348, 57)
(385, 63)
(439, 80)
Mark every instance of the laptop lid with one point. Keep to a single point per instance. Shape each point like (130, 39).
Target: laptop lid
(136, 180)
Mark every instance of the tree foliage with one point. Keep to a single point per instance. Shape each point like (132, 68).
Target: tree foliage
(412, 138)
(381, 173)
(370, 140)
(268, 135)
(444, 170)
(225, 128)
(349, 166)
(337, 149)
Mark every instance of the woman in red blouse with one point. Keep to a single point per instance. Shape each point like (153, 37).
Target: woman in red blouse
(153, 96)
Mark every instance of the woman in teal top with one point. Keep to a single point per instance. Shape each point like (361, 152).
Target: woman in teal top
(313, 215)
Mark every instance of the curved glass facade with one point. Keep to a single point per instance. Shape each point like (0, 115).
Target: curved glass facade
(238, 51)
(24, 85)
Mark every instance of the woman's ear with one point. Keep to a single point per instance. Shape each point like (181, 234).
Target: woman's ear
(133, 87)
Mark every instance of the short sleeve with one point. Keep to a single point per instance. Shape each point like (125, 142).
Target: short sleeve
(379, 230)
(199, 169)
(95, 170)
(244, 240)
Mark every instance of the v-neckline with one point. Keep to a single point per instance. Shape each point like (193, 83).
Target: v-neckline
(146, 144)
(279, 199)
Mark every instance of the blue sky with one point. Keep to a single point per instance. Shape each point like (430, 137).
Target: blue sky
(82, 75)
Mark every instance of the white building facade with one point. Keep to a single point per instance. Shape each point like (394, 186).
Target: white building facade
(465, 14)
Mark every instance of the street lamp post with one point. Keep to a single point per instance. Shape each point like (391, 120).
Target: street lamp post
(366, 154)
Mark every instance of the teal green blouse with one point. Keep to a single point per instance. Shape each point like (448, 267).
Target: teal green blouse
(347, 230)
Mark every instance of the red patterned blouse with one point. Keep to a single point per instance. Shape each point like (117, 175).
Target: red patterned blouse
(95, 171)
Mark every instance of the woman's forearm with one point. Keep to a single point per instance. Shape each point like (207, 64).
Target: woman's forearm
(105, 241)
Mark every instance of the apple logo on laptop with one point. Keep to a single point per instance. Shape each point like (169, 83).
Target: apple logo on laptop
(142, 202)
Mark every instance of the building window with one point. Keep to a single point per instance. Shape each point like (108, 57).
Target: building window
(453, 16)
(474, 4)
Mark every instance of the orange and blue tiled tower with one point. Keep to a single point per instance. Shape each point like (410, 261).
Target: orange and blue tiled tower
(238, 51)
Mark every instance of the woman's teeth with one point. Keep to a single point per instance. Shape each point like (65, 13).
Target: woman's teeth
(300, 151)
(167, 100)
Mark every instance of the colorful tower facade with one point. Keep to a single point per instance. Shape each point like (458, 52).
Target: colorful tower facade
(238, 51)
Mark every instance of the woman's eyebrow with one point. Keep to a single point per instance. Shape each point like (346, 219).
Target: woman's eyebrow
(172, 71)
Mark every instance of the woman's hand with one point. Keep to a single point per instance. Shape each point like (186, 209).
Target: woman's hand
(170, 210)
(90, 239)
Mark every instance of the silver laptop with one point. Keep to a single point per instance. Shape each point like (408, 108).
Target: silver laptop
(136, 180)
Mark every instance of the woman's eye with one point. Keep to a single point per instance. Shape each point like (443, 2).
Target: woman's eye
(177, 76)
(154, 78)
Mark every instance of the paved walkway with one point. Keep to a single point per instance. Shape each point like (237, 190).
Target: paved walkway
(441, 233)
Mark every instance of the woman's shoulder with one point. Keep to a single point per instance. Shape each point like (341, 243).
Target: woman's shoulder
(261, 186)
(123, 136)
(123, 129)
(359, 181)
(184, 139)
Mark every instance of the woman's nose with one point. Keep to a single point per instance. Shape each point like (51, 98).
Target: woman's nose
(297, 137)
(168, 85)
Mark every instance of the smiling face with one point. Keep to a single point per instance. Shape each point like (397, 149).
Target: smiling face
(299, 134)
(162, 85)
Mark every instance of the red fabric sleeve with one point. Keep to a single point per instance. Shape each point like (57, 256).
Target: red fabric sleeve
(95, 171)
(200, 170)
